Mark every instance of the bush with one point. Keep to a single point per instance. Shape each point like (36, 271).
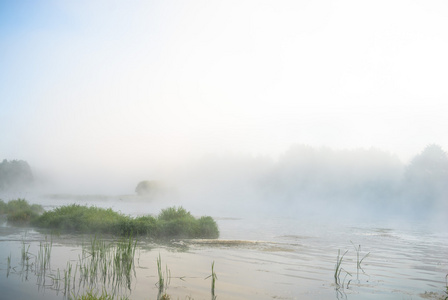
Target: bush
(208, 228)
(170, 223)
(19, 211)
(81, 219)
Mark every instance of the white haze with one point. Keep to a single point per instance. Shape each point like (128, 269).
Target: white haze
(210, 96)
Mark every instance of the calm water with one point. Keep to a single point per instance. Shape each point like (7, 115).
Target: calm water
(255, 258)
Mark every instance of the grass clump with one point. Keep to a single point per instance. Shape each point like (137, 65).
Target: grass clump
(19, 211)
(92, 295)
(173, 222)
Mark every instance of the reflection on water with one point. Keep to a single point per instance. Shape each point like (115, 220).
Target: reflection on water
(264, 258)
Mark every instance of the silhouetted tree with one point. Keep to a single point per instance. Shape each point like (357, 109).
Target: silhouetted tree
(426, 177)
(15, 174)
(147, 187)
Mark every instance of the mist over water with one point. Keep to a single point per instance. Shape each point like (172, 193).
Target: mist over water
(305, 125)
(304, 182)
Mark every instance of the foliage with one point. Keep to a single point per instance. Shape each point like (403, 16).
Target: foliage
(426, 175)
(170, 223)
(91, 295)
(177, 222)
(81, 219)
(147, 187)
(20, 211)
(15, 174)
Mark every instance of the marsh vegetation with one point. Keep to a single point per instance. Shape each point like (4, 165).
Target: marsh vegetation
(172, 222)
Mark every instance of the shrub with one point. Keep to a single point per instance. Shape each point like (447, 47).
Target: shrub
(19, 211)
(207, 228)
(80, 218)
(173, 222)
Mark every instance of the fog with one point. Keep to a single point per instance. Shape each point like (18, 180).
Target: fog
(367, 185)
(299, 108)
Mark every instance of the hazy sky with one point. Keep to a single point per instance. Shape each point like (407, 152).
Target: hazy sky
(115, 84)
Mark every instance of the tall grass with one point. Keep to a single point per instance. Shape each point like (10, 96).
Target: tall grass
(164, 279)
(338, 270)
(104, 270)
(214, 278)
(359, 260)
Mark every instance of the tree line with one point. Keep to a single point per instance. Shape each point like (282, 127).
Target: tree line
(15, 174)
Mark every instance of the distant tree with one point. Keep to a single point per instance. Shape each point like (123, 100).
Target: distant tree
(15, 174)
(147, 187)
(426, 177)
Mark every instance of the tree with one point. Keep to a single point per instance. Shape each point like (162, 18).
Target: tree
(15, 174)
(426, 176)
(147, 187)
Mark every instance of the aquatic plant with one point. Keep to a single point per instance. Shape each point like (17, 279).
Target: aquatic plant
(358, 260)
(339, 269)
(93, 295)
(214, 278)
(164, 279)
(8, 266)
(446, 287)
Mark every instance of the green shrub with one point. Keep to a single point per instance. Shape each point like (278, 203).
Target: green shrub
(173, 213)
(172, 222)
(80, 218)
(207, 228)
(19, 211)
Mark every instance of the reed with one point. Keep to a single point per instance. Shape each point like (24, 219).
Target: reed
(358, 260)
(446, 287)
(8, 266)
(214, 278)
(164, 280)
(339, 269)
(44, 255)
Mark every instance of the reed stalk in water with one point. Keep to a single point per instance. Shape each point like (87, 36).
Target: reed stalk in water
(339, 269)
(214, 278)
(163, 281)
(359, 261)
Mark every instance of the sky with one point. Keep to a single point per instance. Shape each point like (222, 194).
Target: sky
(105, 87)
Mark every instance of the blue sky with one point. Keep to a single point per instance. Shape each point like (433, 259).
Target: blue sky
(127, 84)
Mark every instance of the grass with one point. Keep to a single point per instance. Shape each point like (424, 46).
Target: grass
(446, 287)
(102, 270)
(92, 295)
(214, 278)
(163, 282)
(358, 260)
(339, 269)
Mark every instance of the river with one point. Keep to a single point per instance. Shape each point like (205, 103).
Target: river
(256, 257)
